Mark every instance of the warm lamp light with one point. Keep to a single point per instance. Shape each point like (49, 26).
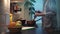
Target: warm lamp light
(6, 2)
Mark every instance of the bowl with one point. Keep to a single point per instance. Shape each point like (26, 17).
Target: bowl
(15, 29)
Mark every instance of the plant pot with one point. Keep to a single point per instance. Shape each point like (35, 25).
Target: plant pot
(31, 23)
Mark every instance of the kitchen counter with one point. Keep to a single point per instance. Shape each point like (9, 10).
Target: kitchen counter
(38, 30)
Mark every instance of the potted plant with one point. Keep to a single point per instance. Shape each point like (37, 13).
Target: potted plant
(29, 5)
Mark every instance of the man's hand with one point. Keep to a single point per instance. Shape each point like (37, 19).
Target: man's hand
(39, 14)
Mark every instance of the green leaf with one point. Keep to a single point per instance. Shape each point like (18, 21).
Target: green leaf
(32, 0)
(27, 3)
(31, 8)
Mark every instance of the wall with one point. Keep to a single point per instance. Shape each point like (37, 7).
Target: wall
(58, 14)
(24, 13)
(38, 7)
(19, 14)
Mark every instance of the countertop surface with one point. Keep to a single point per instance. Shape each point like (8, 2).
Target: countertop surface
(37, 30)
